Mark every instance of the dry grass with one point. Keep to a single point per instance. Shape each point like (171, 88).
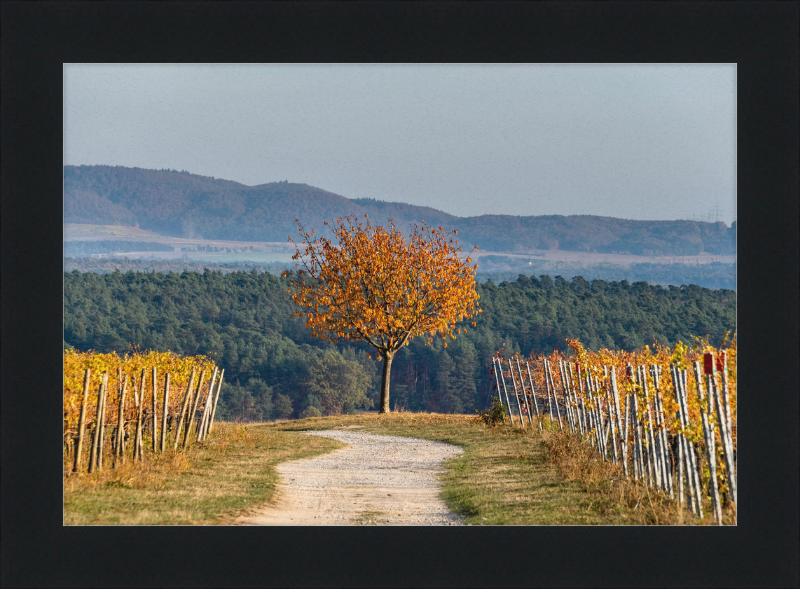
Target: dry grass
(208, 483)
(635, 502)
(504, 476)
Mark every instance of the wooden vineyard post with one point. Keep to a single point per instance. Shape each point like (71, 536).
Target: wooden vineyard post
(499, 392)
(96, 436)
(533, 396)
(120, 445)
(723, 429)
(640, 439)
(576, 397)
(708, 435)
(625, 440)
(101, 440)
(683, 463)
(648, 462)
(611, 425)
(652, 457)
(661, 444)
(138, 444)
(184, 406)
(692, 479)
(591, 386)
(516, 397)
(164, 414)
(573, 401)
(592, 413)
(547, 386)
(135, 392)
(522, 390)
(680, 471)
(694, 460)
(155, 411)
(196, 402)
(201, 427)
(524, 394)
(516, 393)
(722, 366)
(216, 400)
(549, 376)
(82, 420)
(505, 390)
(604, 422)
(204, 415)
(623, 444)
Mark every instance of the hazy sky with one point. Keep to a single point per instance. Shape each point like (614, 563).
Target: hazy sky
(631, 141)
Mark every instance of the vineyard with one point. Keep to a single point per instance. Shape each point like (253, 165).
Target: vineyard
(667, 416)
(135, 405)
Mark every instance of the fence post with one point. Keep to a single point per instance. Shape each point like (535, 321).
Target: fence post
(723, 430)
(499, 392)
(615, 393)
(216, 400)
(693, 457)
(184, 406)
(503, 380)
(121, 423)
(522, 388)
(190, 419)
(155, 411)
(201, 427)
(164, 414)
(96, 434)
(138, 444)
(101, 441)
(549, 376)
(516, 393)
(533, 396)
(708, 435)
(82, 420)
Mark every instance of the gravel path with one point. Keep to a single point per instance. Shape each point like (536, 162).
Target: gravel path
(385, 480)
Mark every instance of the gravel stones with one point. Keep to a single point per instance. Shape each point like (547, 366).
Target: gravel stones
(381, 480)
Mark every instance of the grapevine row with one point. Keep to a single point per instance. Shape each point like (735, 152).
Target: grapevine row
(155, 396)
(668, 416)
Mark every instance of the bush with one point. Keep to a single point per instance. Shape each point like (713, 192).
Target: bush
(495, 415)
(311, 411)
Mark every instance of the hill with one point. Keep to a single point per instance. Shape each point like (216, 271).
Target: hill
(188, 205)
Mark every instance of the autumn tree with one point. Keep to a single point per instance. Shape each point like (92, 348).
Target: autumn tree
(369, 283)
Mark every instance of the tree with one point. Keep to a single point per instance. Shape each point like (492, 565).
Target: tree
(338, 383)
(376, 286)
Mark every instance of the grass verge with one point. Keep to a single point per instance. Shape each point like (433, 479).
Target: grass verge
(504, 477)
(209, 483)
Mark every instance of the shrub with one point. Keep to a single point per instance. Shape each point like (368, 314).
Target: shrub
(495, 415)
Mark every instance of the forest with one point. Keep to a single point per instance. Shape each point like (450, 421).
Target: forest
(180, 204)
(274, 369)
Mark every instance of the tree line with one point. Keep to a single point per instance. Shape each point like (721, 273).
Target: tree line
(275, 369)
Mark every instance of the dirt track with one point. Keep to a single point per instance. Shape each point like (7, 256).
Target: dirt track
(384, 480)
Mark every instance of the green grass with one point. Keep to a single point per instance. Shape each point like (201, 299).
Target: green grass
(504, 476)
(210, 483)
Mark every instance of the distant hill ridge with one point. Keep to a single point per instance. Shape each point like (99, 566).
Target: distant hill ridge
(181, 204)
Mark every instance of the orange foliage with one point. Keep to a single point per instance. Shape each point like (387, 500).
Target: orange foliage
(375, 285)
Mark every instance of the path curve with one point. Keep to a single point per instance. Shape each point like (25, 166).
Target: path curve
(377, 479)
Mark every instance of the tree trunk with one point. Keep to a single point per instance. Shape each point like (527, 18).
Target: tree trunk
(387, 369)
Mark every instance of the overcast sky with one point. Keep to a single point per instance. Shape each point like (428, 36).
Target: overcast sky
(631, 141)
